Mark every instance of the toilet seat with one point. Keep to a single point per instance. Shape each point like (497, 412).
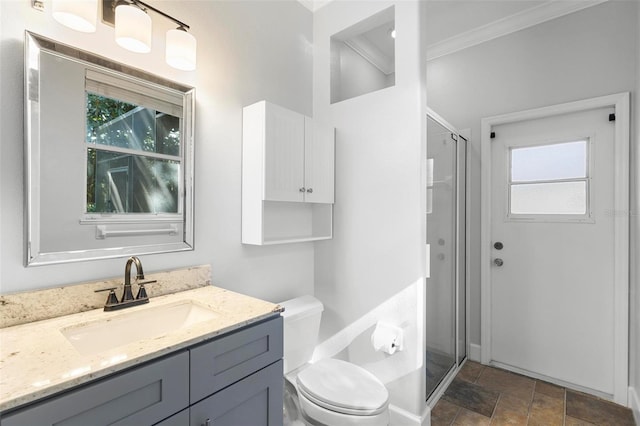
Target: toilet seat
(342, 387)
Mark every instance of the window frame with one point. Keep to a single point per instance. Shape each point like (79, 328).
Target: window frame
(586, 217)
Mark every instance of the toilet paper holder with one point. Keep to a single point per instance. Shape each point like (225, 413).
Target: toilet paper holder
(387, 338)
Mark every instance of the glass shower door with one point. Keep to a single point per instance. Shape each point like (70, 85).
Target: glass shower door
(442, 219)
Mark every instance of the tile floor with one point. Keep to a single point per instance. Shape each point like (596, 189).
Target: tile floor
(481, 395)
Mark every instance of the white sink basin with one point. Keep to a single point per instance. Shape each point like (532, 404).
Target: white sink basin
(129, 327)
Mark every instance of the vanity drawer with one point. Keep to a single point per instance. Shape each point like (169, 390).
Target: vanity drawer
(226, 360)
(143, 395)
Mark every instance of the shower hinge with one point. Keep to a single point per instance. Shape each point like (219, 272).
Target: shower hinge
(612, 117)
(454, 137)
(492, 135)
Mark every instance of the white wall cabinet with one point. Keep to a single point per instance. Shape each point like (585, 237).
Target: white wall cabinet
(287, 176)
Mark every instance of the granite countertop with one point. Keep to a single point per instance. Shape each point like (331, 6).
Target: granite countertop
(36, 360)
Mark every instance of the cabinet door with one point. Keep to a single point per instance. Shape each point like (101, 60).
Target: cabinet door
(178, 419)
(217, 364)
(319, 162)
(141, 396)
(255, 400)
(284, 154)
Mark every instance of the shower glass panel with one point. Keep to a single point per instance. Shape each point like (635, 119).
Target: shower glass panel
(462, 248)
(442, 219)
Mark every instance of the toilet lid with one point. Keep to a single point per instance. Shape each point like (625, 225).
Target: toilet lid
(344, 387)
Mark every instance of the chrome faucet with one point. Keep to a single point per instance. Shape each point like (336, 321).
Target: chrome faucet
(127, 299)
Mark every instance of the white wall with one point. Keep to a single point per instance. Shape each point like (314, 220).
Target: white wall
(374, 266)
(247, 51)
(586, 54)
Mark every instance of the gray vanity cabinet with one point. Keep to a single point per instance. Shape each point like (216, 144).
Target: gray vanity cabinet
(232, 380)
(137, 397)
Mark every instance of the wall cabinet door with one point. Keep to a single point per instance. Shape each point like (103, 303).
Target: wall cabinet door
(255, 400)
(141, 396)
(283, 154)
(319, 162)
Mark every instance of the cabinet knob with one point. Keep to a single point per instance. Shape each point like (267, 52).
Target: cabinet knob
(302, 189)
(310, 190)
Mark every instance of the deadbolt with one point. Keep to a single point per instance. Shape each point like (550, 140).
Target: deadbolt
(498, 262)
(498, 245)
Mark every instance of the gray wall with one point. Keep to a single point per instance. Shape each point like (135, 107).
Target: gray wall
(590, 53)
(247, 51)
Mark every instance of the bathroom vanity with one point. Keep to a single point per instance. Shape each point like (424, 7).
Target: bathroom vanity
(223, 368)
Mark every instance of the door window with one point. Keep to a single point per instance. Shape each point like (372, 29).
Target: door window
(549, 181)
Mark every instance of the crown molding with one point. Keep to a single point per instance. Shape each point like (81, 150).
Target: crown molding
(371, 53)
(313, 5)
(519, 21)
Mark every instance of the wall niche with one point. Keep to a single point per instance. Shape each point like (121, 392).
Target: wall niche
(363, 57)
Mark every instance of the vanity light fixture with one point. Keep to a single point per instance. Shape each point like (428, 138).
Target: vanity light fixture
(80, 15)
(133, 28)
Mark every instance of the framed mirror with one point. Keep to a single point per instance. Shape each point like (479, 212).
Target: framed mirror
(109, 157)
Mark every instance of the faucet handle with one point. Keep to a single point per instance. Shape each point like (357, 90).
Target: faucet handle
(142, 292)
(112, 299)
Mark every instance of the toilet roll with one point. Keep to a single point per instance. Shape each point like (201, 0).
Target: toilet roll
(387, 338)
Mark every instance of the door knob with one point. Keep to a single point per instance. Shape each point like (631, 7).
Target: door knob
(498, 245)
(498, 262)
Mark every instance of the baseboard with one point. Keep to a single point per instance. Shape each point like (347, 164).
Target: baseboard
(474, 352)
(401, 417)
(634, 404)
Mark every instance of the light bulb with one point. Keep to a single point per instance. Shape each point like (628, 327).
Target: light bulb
(181, 49)
(133, 28)
(79, 15)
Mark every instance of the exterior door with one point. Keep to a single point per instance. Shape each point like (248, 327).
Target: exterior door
(552, 249)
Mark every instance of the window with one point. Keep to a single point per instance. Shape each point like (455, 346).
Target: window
(550, 179)
(133, 152)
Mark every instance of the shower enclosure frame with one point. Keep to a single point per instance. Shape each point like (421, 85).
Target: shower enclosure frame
(462, 143)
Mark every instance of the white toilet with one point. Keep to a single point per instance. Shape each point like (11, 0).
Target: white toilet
(329, 392)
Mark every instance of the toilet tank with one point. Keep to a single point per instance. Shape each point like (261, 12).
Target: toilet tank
(301, 325)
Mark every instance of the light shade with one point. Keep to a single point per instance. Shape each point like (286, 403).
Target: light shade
(80, 15)
(181, 50)
(133, 28)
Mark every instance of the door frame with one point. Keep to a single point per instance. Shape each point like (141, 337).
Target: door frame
(620, 102)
